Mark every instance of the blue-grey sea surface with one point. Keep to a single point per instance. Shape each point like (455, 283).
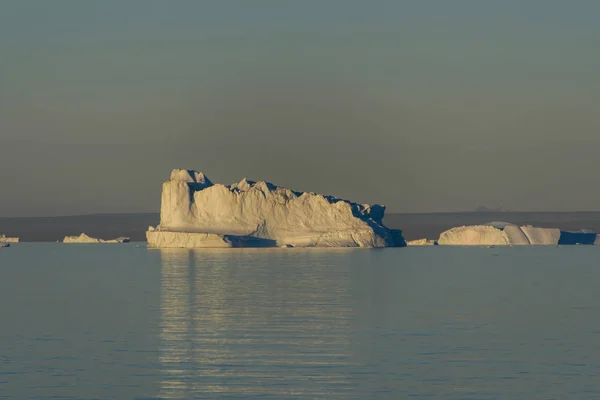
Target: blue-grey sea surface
(127, 322)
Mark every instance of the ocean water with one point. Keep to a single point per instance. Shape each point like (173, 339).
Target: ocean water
(126, 322)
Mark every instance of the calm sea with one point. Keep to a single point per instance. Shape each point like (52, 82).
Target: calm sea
(125, 322)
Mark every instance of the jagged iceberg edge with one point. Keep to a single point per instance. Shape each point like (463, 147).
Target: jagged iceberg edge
(198, 213)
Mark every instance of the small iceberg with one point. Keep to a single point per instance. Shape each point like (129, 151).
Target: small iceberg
(507, 234)
(83, 238)
(4, 239)
(422, 242)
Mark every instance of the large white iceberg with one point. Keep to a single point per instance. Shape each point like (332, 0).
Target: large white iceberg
(502, 233)
(83, 238)
(197, 213)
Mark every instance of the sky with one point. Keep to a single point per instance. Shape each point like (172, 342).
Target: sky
(423, 106)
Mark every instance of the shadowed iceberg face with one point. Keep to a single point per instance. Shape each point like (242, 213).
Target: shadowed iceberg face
(198, 213)
(577, 237)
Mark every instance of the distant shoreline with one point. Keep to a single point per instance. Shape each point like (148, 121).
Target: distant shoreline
(413, 225)
(439, 213)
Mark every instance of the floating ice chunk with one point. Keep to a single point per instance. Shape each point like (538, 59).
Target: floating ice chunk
(422, 242)
(501, 233)
(4, 239)
(83, 238)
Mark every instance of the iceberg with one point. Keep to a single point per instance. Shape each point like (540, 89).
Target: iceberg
(422, 242)
(83, 238)
(507, 234)
(198, 213)
(4, 239)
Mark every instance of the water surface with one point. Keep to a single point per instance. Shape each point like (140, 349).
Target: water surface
(125, 322)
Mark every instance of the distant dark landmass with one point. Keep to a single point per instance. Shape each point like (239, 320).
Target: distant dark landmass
(490, 209)
(104, 226)
(414, 226)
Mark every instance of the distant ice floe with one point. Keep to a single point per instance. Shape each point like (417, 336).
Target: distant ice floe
(83, 238)
(507, 234)
(197, 213)
(422, 242)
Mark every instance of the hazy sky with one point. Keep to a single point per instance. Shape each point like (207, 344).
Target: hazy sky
(419, 105)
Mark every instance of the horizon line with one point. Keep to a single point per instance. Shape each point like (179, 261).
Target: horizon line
(387, 213)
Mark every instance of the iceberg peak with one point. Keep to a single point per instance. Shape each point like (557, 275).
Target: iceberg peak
(243, 185)
(191, 176)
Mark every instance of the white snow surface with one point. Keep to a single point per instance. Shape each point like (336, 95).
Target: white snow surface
(502, 233)
(197, 213)
(83, 238)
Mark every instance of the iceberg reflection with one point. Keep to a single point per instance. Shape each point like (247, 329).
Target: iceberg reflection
(253, 322)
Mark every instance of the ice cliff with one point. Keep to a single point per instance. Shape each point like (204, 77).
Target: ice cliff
(197, 213)
(503, 233)
(83, 238)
